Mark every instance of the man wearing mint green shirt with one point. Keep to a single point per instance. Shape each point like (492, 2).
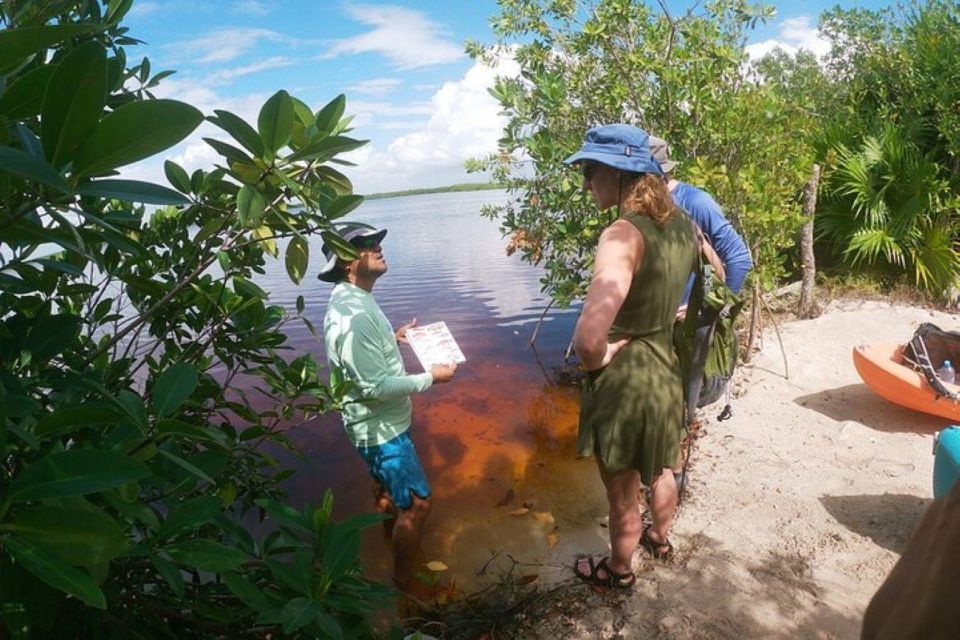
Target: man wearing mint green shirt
(362, 349)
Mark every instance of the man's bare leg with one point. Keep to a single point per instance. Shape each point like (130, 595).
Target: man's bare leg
(383, 504)
(407, 533)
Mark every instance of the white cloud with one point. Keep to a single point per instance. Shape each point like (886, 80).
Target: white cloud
(252, 8)
(372, 113)
(222, 45)
(464, 123)
(406, 37)
(793, 35)
(142, 9)
(226, 76)
(373, 86)
(460, 121)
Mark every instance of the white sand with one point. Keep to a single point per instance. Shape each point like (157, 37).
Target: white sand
(800, 504)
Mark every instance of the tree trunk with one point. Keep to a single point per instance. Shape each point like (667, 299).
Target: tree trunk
(808, 307)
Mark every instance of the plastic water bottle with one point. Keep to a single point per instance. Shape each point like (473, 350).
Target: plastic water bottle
(946, 373)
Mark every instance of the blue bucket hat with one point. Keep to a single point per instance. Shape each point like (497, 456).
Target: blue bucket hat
(621, 146)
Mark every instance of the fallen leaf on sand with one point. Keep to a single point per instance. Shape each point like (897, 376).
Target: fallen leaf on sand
(522, 511)
(436, 565)
(553, 538)
(527, 579)
(543, 517)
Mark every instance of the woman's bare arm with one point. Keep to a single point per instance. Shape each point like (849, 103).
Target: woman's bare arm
(619, 253)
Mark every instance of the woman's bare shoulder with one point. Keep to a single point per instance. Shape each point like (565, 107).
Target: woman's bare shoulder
(621, 230)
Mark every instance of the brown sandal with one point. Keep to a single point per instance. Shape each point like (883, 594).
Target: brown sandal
(611, 581)
(656, 549)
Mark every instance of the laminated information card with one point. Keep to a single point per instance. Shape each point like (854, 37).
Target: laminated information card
(434, 344)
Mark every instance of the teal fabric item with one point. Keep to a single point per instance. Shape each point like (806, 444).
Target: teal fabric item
(363, 354)
(396, 466)
(946, 463)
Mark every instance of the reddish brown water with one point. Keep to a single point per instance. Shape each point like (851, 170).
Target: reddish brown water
(498, 442)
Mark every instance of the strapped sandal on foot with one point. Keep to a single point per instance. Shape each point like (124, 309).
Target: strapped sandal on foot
(611, 580)
(659, 550)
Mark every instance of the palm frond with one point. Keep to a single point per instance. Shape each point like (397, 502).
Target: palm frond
(868, 245)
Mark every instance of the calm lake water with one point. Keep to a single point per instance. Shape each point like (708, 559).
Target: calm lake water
(498, 442)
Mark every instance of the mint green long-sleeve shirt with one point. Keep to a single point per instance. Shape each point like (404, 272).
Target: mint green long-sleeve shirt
(362, 348)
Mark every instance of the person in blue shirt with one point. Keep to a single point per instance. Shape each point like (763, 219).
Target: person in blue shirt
(700, 205)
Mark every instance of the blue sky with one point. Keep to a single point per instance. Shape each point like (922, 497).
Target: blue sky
(414, 94)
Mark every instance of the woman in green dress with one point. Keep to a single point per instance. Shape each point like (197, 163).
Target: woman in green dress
(632, 407)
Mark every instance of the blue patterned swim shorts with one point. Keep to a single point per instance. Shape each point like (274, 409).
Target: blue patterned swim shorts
(396, 465)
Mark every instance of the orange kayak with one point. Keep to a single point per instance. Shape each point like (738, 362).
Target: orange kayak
(880, 367)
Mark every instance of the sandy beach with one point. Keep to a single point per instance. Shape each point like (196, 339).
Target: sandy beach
(798, 507)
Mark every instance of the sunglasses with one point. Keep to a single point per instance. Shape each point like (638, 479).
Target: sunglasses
(588, 169)
(365, 243)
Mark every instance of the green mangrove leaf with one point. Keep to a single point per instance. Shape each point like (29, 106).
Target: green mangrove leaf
(50, 335)
(341, 550)
(329, 626)
(173, 387)
(116, 9)
(132, 191)
(248, 593)
(70, 419)
(31, 167)
(54, 571)
(76, 535)
(326, 148)
(228, 151)
(267, 238)
(135, 131)
(240, 130)
(73, 102)
(76, 472)
(297, 258)
(177, 176)
(23, 98)
(342, 206)
(206, 555)
(340, 183)
(250, 206)
(170, 427)
(329, 116)
(18, 44)
(190, 468)
(298, 613)
(169, 572)
(190, 515)
(247, 288)
(275, 122)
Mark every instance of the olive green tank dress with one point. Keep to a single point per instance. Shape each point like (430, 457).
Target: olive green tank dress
(631, 412)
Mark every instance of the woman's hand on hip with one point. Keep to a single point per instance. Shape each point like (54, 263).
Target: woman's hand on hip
(612, 349)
